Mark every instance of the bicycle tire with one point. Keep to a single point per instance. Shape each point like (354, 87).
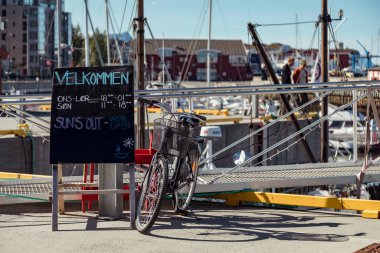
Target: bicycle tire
(151, 195)
(187, 181)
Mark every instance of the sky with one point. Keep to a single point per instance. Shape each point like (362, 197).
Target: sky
(188, 19)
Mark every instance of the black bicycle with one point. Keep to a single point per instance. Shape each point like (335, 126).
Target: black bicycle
(174, 167)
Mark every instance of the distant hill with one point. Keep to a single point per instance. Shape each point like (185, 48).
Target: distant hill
(125, 36)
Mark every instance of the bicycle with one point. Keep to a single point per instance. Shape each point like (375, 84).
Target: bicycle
(174, 167)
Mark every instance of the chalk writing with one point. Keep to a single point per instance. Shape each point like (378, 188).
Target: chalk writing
(92, 115)
(119, 122)
(78, 123)
(92, 78)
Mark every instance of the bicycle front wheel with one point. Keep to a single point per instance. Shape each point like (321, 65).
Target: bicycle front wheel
(152, 194)
(187, 180)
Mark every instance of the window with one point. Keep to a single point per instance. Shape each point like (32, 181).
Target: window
(4, 13)
(238, 59)
(336, 124)
(32, 58)
(202, 74)
(24, 26)
(14, 24)
(168, 52)
(3, 36)
(33, 35)
(33, 47)
(24, 49)
(202, 56)
(24, 37)
(4, 2)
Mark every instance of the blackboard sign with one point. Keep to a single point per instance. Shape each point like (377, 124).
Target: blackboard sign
(92, 115)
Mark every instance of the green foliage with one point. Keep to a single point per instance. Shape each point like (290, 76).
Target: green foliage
(102, 41)
(77, 47)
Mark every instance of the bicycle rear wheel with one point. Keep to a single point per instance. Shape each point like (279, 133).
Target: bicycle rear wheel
(187, 180)
(152, 194)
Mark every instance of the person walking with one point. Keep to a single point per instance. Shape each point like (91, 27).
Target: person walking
(301, 76)
(286, 79)
(287, 71)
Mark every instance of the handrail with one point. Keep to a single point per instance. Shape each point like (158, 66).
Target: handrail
(278, 88)
(315, 123)
(263, 128)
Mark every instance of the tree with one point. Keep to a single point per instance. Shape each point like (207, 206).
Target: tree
(101, 38)
(77, 46)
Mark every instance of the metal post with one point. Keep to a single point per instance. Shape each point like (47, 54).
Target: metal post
(86, 38)
(107, 35)
(132, 196)
(110, 177)
(325, 19)
(54, 203)
(355, 125)
(140, 73)
(59, 31)
(61, 201)
(163, 58)
(254, 106)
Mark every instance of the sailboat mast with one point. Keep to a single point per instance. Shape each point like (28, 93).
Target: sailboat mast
(209, 43)
(107, 35)
(296, 32)
(163, 59)
(86, 38)
(59, 26)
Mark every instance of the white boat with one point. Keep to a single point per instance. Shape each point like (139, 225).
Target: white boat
(341, 129)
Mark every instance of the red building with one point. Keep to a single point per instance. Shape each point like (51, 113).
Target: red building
(345, 57)
(187, 59)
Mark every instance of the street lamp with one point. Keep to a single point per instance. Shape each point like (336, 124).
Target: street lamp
(71, 49)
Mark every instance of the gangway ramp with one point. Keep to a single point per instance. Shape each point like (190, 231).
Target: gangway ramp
(255, 178)
(282, 176)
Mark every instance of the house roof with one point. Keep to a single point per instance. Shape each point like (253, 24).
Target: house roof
(185, 46)
(345, 51)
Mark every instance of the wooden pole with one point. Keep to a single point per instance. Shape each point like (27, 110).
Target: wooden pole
(140, 72)
(284, 100)
(325, 20)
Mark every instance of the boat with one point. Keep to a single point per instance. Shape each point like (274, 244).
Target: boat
(341, 130)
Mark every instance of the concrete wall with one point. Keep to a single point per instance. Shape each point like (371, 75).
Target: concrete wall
(296, 153)
(26, 155)
(15, 155)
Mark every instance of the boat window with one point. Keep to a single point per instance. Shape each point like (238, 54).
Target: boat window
(336, 124)
(349, 124)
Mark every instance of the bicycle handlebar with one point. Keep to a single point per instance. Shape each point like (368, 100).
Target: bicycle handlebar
(203, 118)
(161, 105)
(146, 101)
